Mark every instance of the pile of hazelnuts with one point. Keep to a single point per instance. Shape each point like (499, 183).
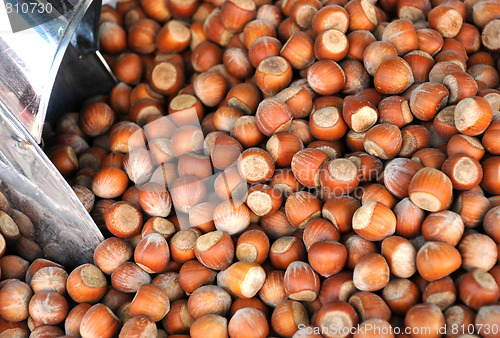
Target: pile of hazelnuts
(290, 168)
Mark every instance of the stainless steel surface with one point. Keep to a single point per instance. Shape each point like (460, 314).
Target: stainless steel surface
(49, 65)
(51, 68)
(37, 189)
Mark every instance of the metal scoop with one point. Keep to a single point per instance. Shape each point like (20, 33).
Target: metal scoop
(49, 64)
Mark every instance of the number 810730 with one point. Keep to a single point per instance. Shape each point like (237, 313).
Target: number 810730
(29, 8)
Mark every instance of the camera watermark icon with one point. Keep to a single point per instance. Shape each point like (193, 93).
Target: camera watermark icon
(197, 173)
(20, 15)
(201, 174)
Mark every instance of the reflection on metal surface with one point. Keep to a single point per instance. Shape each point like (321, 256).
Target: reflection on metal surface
(26, 14)
(47, 70)
(37, 62)
(30, 180)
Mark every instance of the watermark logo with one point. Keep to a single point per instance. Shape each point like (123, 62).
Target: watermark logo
(199, 174)
(20, 15)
